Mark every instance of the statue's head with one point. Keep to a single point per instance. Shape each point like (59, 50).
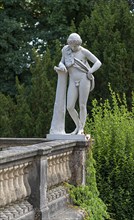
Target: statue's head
(74, 38)
(74, 41)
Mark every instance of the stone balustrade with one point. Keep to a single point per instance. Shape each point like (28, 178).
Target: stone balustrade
(59, 169)
(32, 178)
(14, 184)
(15, 190)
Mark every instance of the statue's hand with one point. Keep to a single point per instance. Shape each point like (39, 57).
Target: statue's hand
(89, 74)
(62, 67)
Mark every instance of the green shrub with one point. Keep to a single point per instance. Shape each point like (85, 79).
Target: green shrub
(112, 127)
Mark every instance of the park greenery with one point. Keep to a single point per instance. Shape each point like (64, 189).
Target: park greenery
(110, 175)
(112, 127)
(32, 34)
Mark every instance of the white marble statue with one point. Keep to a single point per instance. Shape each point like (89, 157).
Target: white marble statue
(74, 62)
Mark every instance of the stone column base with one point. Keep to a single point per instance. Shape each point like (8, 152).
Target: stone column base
(75, 137)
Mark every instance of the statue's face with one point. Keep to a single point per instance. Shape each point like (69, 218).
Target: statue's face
(74, 46)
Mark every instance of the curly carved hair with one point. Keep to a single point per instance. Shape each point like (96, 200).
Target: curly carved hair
(74, 38)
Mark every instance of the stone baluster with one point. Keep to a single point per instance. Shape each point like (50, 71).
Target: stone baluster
(59, 171)
(11, 185)
(68, 164)
(65, 166)
(6, 186)
(49, 172)
(21, 181)
(26, 171)
(62, 168)
(57, 168)
(54, 173)
(2, 194)
(16, 183)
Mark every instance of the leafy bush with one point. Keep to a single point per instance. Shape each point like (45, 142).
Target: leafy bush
(112, 127)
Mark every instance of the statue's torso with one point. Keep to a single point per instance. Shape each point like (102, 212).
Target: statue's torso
(74, 71)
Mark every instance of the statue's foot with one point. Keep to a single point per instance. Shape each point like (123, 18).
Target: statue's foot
(75, 131)
(81, 131)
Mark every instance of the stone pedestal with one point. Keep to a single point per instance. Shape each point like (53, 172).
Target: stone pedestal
(77, 137)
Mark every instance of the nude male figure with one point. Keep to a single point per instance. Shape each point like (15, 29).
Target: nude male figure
(74, 56)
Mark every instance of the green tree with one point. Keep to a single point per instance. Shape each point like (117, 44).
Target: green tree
(22, 119)
(41, 95)
(109, 34)
(14, 37)
(26, 24)
(6, 111)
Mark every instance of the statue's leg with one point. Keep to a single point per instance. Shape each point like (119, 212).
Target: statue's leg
(72, 96)
(84, 90)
